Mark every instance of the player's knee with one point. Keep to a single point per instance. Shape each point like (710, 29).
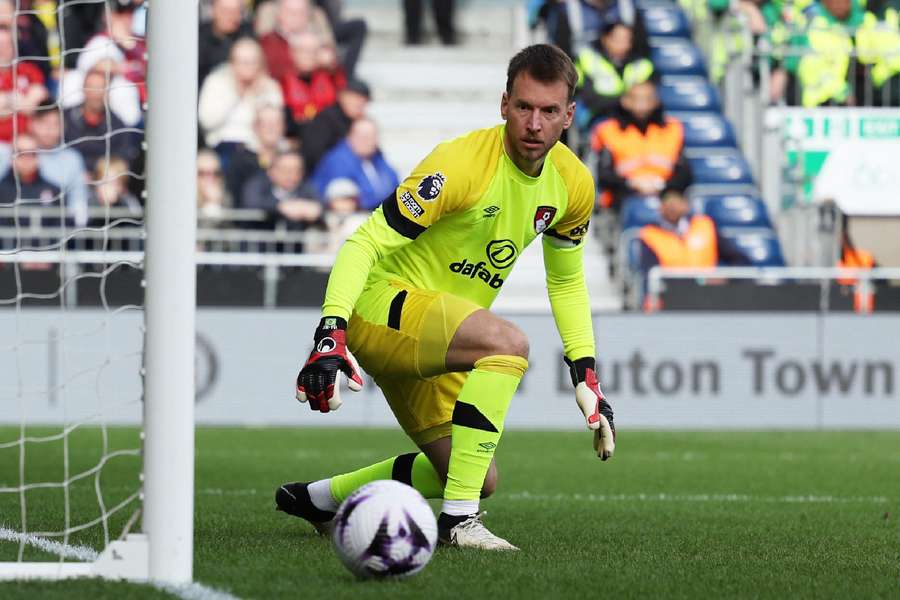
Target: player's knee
(490, 482)
(510, 340)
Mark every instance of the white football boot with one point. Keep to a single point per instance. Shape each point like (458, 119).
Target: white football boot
(470, 533)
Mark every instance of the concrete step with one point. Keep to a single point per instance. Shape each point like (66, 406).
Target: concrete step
(499, 21)
(435, 79)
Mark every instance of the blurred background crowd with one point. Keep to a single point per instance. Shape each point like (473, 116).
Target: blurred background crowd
(286, 128)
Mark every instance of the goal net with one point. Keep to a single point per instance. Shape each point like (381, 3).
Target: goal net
(97, 289)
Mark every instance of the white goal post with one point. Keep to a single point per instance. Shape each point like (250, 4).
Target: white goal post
(163, 551)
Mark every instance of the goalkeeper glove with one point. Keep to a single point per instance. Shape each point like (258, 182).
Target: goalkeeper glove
(318, 380)
(593, 404)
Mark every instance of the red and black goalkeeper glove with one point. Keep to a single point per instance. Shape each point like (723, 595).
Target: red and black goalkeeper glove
(319, 381)
(592, 402)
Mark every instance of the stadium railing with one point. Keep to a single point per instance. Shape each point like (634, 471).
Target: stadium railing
(863, 285)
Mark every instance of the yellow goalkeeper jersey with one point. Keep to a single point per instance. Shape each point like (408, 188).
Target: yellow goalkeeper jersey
(458, 223)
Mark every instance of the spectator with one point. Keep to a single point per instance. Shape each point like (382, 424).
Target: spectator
(119, 42)
(282, 192)
(639, 150)
(31, 34)
(251, 159)
(332, 124)
(220, 33)
(124, 95)
(23, 183)
(88, 129)
(327, 59)
(359, 159)
(606, 69)
(825, 73)
(21, 89)
(80, 21)
(212, 196)
(310, 88)
(293, 18)
(110, 178)
(571, 24)
(680, 240)
(230, 96)
(342, 215)
(61, 166)
(350, 34)
(443, 17)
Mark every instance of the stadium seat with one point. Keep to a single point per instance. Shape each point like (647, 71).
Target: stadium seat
(675, 56)
(666, 20)
(720, 167)
(706, 130)
(688, 94)
(760, 246)
(733, 210)
(638, 211)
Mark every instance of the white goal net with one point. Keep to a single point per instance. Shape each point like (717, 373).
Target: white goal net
(83, 440)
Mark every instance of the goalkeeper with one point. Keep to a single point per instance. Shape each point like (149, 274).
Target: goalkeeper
(410, 291)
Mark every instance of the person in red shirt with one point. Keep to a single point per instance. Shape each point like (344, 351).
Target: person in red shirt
(311, 88)
(293, 18)
(21, 89)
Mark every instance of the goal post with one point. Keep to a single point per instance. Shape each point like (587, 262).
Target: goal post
(170, 296)
(163, 549)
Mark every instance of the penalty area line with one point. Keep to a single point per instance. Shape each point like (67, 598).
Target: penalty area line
(185, 591)
(663, 497)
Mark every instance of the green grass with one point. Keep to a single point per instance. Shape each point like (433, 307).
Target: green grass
(674, 515)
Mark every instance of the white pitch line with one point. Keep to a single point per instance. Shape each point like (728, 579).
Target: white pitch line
(662, 497)
(639, 497)
(186, 591)
(193, 591)
(82, 553)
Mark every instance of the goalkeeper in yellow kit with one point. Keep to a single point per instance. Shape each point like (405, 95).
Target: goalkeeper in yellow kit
(410, 291)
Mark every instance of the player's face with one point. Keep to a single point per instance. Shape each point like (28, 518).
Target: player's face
(536, 114)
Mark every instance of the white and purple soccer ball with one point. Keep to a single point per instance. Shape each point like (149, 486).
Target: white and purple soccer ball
(385, 529)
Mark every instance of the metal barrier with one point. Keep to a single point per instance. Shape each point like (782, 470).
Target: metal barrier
(862, 281)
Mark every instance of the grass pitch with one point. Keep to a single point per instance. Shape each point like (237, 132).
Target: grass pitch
(673, 515)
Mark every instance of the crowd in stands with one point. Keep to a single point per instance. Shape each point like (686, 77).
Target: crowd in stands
(283, 115)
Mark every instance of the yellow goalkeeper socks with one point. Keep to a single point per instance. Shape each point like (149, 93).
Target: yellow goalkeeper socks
(412, 469)
(477, 424)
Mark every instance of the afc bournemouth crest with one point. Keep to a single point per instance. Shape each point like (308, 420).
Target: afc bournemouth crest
(543, 216)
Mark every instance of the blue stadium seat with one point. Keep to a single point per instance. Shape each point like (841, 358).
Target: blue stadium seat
(720, 167)
(761, 246)
(688, 94)
(706, 130)
(665, 19)
(638, 211)
(676, 56)
(733, 210)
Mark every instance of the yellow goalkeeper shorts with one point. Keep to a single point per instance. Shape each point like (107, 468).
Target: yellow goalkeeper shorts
(400, 335)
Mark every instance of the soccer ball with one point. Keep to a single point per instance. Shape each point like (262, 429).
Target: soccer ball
(384, 529)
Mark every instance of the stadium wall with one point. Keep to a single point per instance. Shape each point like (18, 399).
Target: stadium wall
(683, 371)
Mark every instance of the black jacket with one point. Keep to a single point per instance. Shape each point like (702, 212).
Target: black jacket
(320, 134)
(214, 49)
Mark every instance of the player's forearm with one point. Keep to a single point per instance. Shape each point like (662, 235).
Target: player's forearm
(369, 244)
(569, 300)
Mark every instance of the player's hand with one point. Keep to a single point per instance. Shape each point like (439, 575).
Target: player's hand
(319, 380)
(597, 411)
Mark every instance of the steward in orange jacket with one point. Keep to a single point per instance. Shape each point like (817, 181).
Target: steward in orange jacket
(640, 151)
(685, 241)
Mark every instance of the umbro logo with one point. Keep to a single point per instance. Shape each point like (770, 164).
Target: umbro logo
(491, 211)
(487, 446)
